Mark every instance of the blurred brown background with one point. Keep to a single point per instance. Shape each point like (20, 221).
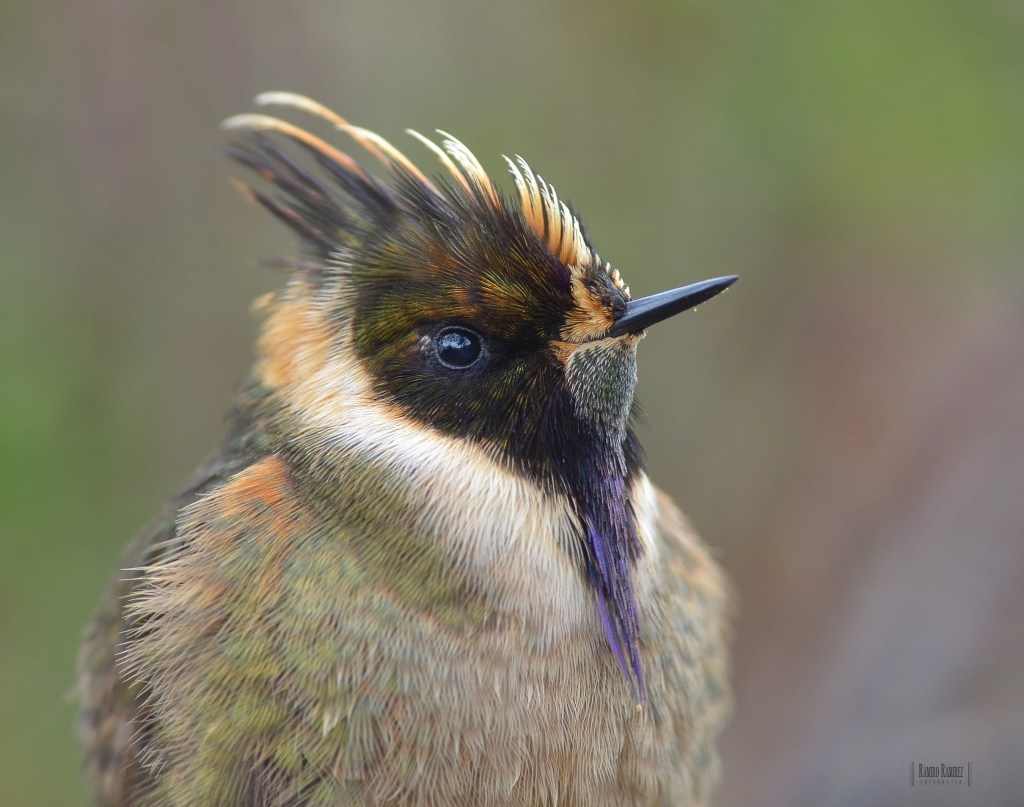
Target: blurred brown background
(846, 426)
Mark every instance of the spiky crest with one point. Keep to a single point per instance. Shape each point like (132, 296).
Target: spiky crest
(310, 207)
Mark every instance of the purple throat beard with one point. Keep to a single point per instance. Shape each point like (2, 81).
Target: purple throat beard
(614, 547)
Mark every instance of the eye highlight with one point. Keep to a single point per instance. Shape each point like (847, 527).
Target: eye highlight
(458, 348)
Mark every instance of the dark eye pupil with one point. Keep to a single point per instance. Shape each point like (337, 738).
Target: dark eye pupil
(458, 347)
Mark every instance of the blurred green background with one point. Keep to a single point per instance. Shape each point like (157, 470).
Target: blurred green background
(845, 427)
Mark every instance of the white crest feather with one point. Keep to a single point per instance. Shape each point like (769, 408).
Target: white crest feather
(385, 152)
(470, 165)
(446, 161)
(549, 217)
(254, 122)
(296, 101)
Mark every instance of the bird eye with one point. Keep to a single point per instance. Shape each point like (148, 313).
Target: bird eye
(458, 348)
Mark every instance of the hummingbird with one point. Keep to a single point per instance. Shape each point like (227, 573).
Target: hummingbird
(426, 565)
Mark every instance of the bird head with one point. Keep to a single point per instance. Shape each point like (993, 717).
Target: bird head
(485, 317)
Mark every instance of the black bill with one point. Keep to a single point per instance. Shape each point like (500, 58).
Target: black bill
(647, 311)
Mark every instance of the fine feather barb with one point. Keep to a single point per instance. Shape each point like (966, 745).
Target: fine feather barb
(445, 160)
(386, 153)
(306, 208)
(301, 102)
(265, 157)
(376, 145)
(289, 216)
(470, 167)
(255, 122)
